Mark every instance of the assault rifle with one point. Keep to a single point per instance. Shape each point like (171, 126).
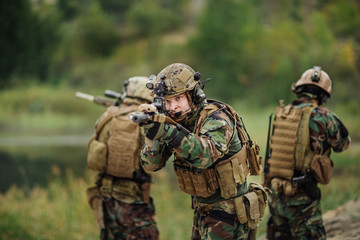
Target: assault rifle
(267, 153)
(102, 100)
(156, 111)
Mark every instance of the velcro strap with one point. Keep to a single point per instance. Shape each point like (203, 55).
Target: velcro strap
(182, 132)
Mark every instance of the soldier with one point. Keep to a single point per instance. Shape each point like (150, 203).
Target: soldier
(303, 134)
(121, 202)
(211, 163)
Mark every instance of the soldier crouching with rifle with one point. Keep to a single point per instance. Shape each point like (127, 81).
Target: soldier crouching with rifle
(303, 134)
(121, 199)
(213, 154)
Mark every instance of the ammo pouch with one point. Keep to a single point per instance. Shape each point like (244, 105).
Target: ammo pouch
(227, 175)
(322, 167)
(123, 190)
(254, 158)
(250, 207)
(231, 173)
(97, 153)
(196, 182)
(95, 201)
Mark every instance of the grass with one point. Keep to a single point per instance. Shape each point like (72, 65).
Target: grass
(61, 210)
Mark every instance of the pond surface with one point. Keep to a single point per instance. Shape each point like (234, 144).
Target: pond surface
(30, 161)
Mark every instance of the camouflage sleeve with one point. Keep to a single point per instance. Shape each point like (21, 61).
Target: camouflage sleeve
(152, 160)
(211, 144)
(326, 130)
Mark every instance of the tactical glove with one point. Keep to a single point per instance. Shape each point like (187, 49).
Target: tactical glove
(166, 132)
(155, 130)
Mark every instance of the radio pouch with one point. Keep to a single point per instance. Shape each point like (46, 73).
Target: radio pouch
(322, 167)
(97, 153)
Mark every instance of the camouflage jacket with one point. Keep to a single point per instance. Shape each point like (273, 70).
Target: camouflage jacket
(326, 130)
(214, 143)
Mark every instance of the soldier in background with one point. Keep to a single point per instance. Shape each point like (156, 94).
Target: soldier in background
(121, 198)
(211, 156)
(303, 134)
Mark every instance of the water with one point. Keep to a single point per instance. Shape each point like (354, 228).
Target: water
(33, 161)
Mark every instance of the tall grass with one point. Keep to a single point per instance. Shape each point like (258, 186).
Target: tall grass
(61, 211)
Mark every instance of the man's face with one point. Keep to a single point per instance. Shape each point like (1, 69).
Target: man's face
(176, 104)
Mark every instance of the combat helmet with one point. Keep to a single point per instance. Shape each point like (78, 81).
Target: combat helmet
(135, 88)
(313, 77)
(175, 79)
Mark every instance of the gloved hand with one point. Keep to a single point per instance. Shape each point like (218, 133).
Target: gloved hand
(166, 132)
(156, 130)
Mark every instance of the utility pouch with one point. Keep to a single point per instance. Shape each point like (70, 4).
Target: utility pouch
(126, 191)
(240, 209)
(250, 208)
(254, 158)
(322, 167)
(95, 202)
(96, 158)
(200, 184)
(226, 180)
(106, 186)
(196, 182)
(231, 173)
(185, 182)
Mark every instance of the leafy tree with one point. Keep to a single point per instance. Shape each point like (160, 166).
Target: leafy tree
(225, 29)
(147, 18)
(98, 33)
(344, 17)
(69, 9)
(26, 41)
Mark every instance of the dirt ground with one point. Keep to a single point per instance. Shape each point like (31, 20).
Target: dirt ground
(342, 223)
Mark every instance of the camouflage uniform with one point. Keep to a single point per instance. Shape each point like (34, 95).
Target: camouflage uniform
(299, 216)
(129, 220)
(202, 152)
(124, 209)
(203, 147)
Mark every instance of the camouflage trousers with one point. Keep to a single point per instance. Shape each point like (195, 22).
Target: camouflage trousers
(128, 221)
(218, 223)
(296, 217)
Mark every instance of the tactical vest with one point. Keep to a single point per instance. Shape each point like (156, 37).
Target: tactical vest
(115, 147)
(226, 174)
(290, 142)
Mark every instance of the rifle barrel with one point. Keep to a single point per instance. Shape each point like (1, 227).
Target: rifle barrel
(84, 96)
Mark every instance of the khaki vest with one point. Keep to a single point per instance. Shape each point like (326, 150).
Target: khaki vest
(228, 173)
(115, 147)
(290, 142)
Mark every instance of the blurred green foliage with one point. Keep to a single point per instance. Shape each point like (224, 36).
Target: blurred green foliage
(252, 50)
(27, 40)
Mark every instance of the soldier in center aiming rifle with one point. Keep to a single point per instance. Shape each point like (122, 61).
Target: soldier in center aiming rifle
(213, 154)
